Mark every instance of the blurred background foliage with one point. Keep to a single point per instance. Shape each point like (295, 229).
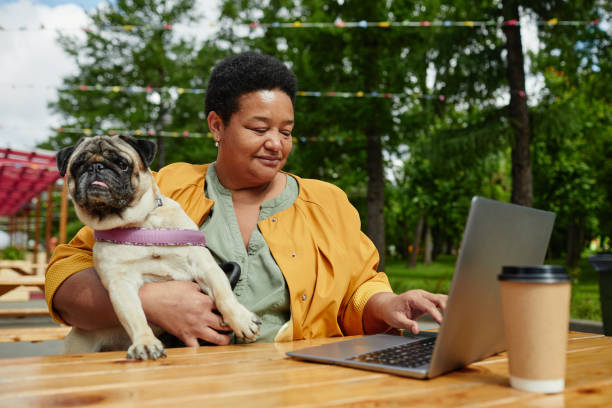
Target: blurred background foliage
(447, 139)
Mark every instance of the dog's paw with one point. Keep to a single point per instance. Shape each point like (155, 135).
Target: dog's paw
(244, 323)
(146, 351)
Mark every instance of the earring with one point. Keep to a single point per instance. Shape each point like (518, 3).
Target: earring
(216, 144)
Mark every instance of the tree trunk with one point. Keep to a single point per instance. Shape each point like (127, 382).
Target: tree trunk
(376, 196)
(414, 256)
(427, 253)
(438, 242)
(522, 184)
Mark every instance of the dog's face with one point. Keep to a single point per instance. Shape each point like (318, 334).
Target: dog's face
(106, 175)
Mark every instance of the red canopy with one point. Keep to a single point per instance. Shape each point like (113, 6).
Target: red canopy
(23, 175)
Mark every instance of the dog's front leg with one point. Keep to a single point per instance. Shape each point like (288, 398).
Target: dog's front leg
(213, 281)
(124, 297)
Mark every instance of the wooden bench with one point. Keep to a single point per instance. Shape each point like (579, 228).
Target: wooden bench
(25, 312)
(22, 267)
(33, 334)
(9, 283)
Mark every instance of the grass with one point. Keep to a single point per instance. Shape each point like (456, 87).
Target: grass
(437, 276)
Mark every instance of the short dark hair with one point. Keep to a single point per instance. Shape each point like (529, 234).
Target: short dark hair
(239, 74)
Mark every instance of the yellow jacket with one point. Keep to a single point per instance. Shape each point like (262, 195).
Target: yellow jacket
(328, 263)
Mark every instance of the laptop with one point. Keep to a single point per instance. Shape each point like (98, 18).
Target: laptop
(495, 234)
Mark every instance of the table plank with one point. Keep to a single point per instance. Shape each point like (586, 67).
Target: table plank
(33, 334)
(11, 282)
(24, 312)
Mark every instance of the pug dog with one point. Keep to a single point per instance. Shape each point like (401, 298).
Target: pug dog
(112, 186)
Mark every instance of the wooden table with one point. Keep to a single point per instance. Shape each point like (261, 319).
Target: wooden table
(260, 375)
(10, 283)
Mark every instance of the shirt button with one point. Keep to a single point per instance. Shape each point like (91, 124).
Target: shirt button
(304, 297)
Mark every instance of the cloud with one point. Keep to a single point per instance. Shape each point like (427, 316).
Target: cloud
(32, 65)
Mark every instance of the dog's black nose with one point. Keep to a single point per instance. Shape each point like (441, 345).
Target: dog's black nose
(95, 167)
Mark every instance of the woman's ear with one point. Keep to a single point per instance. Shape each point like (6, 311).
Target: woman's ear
(215, 124)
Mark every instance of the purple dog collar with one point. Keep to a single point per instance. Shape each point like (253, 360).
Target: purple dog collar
(151, 237)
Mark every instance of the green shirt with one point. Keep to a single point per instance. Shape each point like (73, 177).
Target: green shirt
(262, 288)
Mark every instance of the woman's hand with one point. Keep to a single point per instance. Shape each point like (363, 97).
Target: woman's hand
(385, 310)
(180, 308)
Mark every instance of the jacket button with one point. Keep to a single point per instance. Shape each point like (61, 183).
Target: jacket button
(304, 297)
(293, 255)
(273, 219)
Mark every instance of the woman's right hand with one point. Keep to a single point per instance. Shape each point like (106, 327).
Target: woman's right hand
(180, 308)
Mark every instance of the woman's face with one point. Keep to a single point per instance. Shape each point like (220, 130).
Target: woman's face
(254, 145)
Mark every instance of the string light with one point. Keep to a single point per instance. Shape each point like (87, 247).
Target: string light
(336, 24)
(181, 134)
(133, 89)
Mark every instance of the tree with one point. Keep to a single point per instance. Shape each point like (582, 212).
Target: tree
(442, 173)
(582, 52)
(394, 60)
(446, 139)
(133, 44)
(337, 60)
(572, 125)
(522, 184)
(573, 133)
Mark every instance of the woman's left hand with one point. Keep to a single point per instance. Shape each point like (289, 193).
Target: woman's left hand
(386, 309)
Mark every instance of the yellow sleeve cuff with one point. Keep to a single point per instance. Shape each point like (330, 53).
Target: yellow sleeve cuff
(352, 322)
(58, 272)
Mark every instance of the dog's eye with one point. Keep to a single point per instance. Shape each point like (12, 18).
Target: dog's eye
(122, 164)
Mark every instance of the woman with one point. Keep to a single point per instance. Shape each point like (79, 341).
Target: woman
(307, 269)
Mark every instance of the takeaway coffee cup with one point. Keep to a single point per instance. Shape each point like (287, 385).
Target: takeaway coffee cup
(535, 303)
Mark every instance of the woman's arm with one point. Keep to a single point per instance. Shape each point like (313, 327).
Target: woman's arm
(372, 307)
(178, 307)
(82, 301)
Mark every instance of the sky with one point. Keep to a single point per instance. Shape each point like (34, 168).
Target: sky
(32, 64)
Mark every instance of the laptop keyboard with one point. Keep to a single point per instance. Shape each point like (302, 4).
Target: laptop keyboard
(408, 355)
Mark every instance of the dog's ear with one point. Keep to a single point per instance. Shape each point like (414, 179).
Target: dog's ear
(62, 158)
(145, 148)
